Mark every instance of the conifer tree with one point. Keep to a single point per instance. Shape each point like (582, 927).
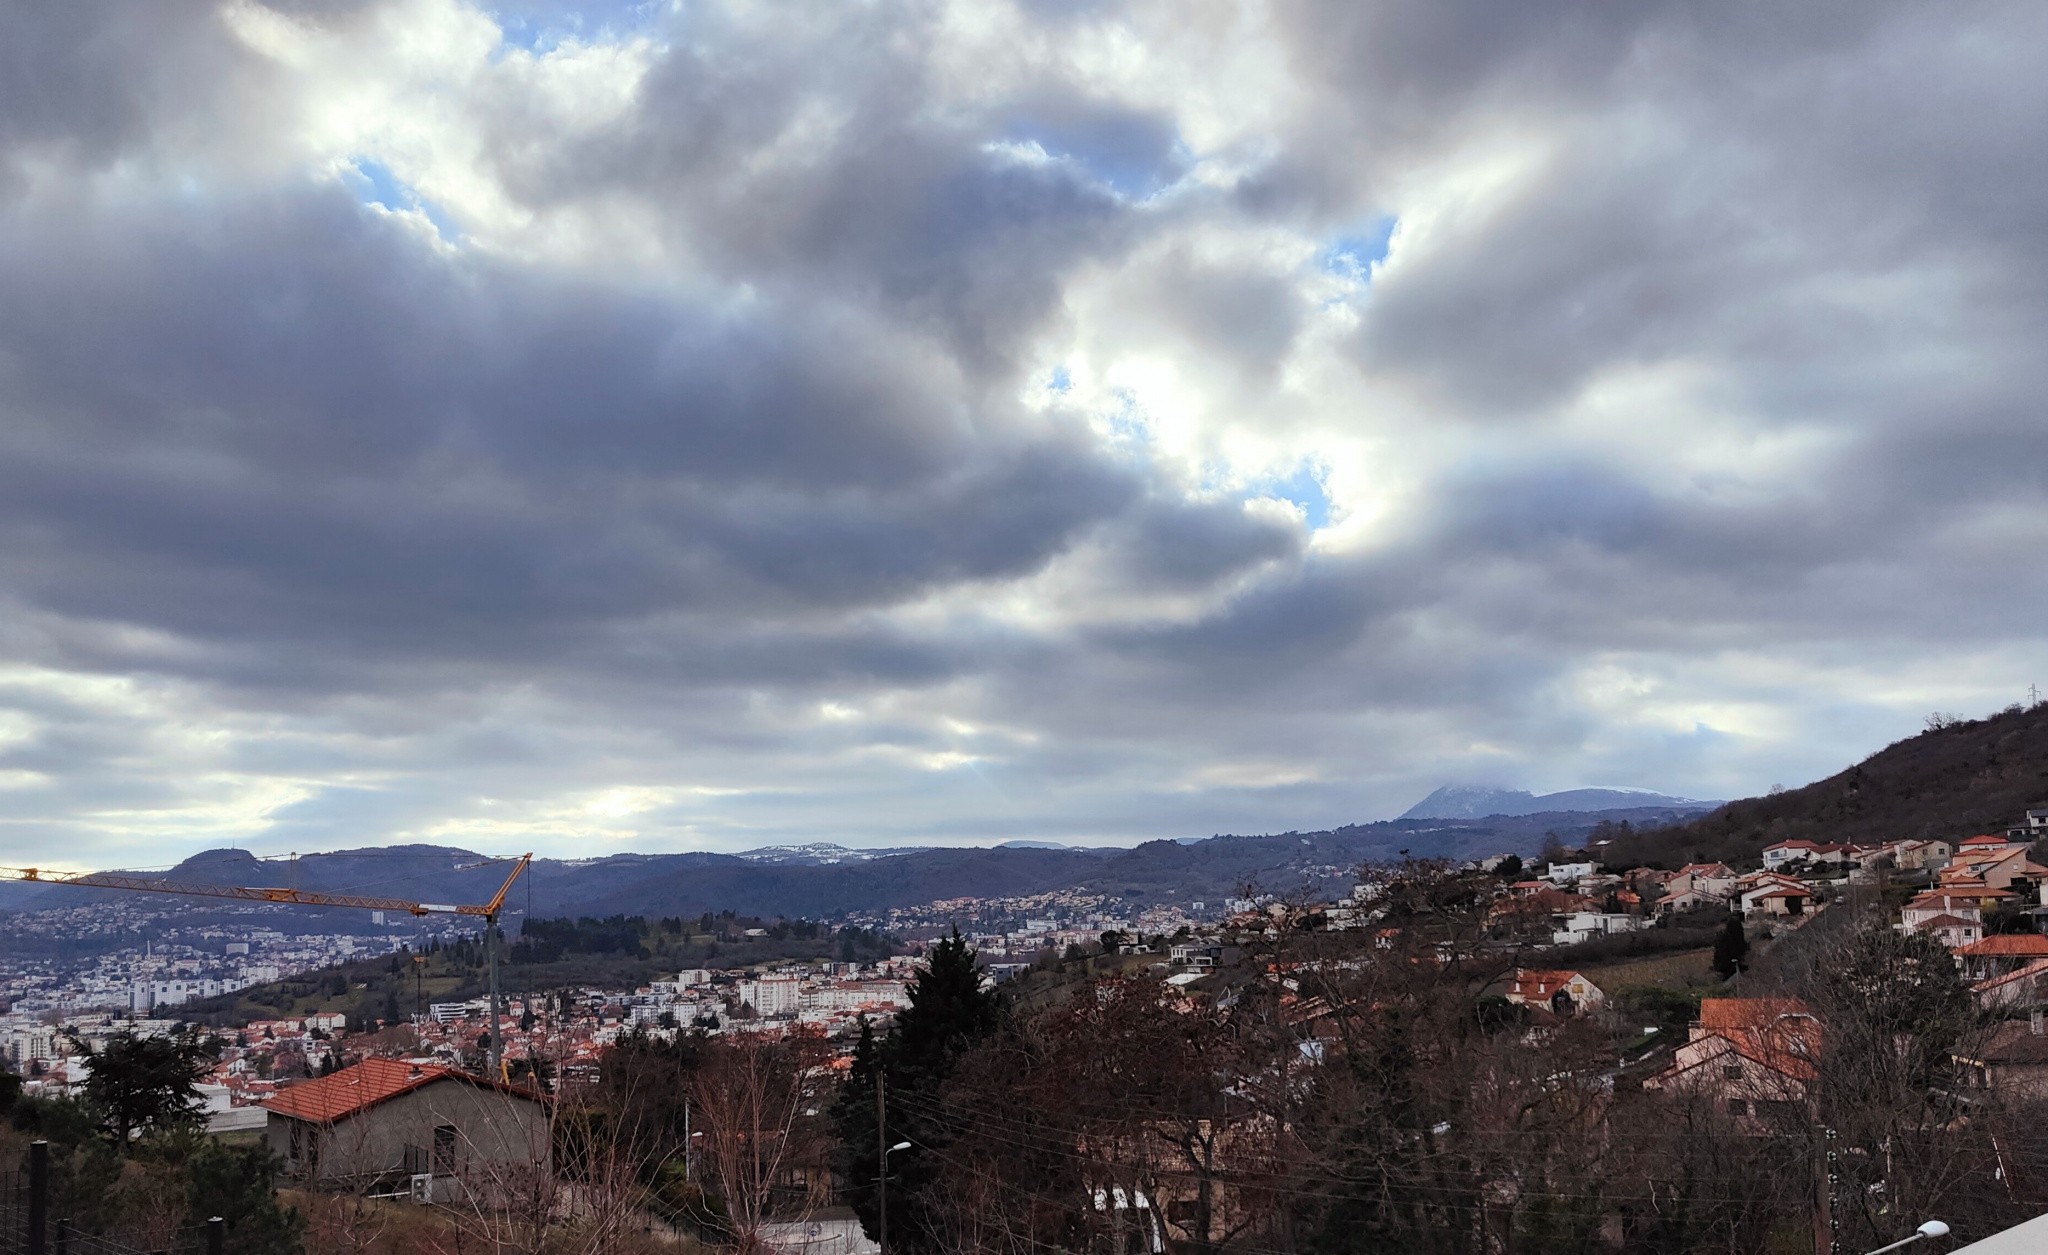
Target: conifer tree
(1731, 949)
(949, 1012)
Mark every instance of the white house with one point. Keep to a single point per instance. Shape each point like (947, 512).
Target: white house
(1569, 873)
(1578, 926)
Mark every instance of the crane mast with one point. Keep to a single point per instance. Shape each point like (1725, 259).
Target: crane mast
(488, 912)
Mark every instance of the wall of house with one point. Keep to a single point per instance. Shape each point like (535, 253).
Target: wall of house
(493, 1130)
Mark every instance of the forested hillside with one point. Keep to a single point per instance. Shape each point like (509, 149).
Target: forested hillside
(1958, 778)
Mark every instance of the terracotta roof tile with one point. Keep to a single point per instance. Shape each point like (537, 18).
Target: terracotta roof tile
(2008, 946)
(1720, 1013)
(363, 1086)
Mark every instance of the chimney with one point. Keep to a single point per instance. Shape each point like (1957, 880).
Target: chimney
(2035, 1021)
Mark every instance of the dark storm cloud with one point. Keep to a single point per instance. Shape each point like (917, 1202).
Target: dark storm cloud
(326, 431)
(860, 420)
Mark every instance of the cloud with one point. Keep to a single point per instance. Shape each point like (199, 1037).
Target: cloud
(710, 426)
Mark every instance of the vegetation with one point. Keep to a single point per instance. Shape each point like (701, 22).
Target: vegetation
(138, 1084)
(547, 956)
(128, 1157)
(1957, 778)
(1731, 948)
(1351, 1095)
(950, 1013)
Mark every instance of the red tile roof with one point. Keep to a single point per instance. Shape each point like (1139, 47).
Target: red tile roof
(1540, 985)
(1719, 1013)
(1940, 922)
(1779, 1033)
(2008, 946)
(366, 1084)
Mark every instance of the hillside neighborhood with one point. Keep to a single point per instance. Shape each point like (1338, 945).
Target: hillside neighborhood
(1678, 985)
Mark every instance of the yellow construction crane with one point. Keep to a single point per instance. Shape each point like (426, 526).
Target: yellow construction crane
(488, 912)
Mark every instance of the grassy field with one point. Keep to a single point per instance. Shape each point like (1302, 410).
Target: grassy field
(1683, 969)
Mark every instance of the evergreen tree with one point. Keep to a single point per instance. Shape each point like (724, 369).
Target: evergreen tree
(1731, 949)
(239, 1184)
(144, 1082)
(949, 1012)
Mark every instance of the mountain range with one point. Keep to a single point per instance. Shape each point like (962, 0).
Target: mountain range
(1959, 777)
(826, 881)
(1464, 801)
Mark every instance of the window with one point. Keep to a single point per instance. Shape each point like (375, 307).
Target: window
(1732, 1071)
(444, 1150)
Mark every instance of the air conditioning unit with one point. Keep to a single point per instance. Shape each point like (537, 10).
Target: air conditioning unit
(422, 1187)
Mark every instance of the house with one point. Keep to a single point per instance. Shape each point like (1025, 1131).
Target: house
(1953, 931)
(2031, 828)
(392, 1123)
(1768, 893)
(1986, 841)
(1932, 905)
(1997, 955)
(1799, 850)
(2022, 989)
(1576, 926)
(1777, 900)
(1916, 856)
(1569, 873)
(1998, 868)
(1566, 993)
(1543, 908)
(1689, 898)
(1753, 1056)
(2012, 1060)
(1972, 889)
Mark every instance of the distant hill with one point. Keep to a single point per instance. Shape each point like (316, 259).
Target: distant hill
(831, 883)
(1465, 801)
(1956, 780)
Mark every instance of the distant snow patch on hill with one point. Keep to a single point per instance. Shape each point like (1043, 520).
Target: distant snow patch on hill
(820, 854)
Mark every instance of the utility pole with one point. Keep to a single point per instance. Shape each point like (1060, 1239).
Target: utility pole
(881, 1162)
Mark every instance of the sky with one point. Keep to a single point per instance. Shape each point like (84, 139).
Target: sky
(714, 424)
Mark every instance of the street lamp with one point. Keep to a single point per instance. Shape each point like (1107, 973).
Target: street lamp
(882, 1196)
(1932, 1229)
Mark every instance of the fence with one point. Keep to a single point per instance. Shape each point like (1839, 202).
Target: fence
(28, 1228)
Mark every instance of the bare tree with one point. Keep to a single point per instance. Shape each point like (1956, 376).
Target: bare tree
(757, 1097)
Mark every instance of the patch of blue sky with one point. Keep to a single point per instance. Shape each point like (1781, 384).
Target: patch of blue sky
(541, 26)
(1127, 426)
(1134, 155)
(1353, 254)
(1305, 488)
(1061, 381)
(376, 185)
